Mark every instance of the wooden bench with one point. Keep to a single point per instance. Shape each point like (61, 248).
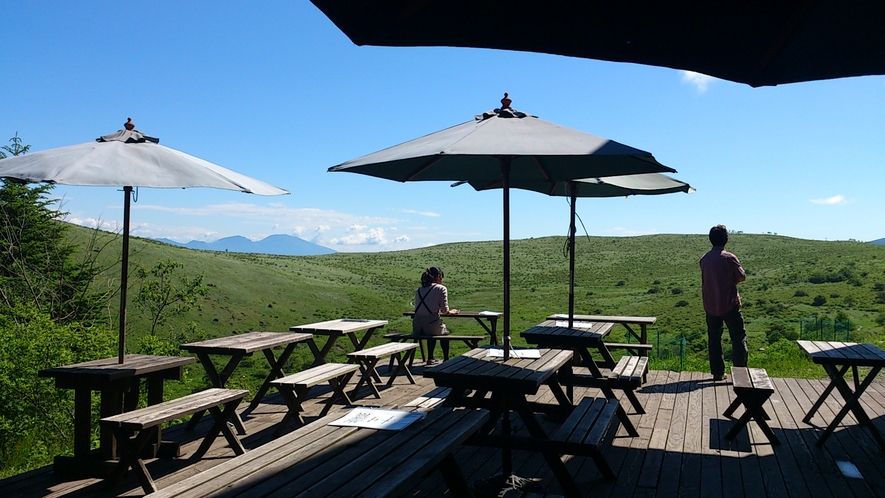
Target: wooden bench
(472, 341)
(583, 431)
(145, 423)
(294, 388)
(632, 348)
(752, 388)
(342, 462)
(628, 375)
(428, 400)
(368, 360)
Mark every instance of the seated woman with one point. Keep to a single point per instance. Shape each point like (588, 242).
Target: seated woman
(431, 301)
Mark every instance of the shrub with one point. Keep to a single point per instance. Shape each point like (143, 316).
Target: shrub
(681, 304)
(819, 301)
(800, 293)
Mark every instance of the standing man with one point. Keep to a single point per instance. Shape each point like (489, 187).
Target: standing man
(720, 273)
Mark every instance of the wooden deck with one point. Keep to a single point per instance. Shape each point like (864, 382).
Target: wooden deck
(681, 450)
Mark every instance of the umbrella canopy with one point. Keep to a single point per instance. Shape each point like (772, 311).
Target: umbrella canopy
(756, 42)
(127, 159)
(611, 186)
(505, 145)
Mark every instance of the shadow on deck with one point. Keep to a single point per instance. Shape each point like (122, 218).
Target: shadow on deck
(681, 450)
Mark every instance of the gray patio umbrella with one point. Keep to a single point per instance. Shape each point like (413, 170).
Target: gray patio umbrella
(505, 145)
(754, 42)
(610, 186)
(127, 159)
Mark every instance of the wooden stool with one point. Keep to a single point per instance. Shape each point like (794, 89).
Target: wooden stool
(752, 388)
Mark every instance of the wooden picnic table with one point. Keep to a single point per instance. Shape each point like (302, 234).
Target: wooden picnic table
(642, 321)
(331, 461)
(119, 385)
(475, 374)
(837, 358)
(239, 346)
(583, 338)
(335, 329)
(481, 318)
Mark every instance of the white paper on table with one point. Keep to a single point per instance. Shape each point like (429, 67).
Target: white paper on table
(493, 313)
(376, 418)
(514, 353)
(575, 325)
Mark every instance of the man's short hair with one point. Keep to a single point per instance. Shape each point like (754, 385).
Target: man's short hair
(719, 235)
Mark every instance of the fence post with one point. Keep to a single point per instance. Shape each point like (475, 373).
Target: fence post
(682, 343)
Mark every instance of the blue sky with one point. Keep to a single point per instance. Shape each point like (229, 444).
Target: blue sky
(274, 90)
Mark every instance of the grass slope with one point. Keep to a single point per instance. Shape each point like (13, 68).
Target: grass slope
(653, 275)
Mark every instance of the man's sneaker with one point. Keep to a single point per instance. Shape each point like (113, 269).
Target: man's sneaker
(720, 377)
(432, 361)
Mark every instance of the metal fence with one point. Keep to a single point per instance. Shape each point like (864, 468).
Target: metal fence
(816, 328)
(671, 353)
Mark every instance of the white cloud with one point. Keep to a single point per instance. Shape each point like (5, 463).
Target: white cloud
(700, 81)
(422, 213)
(370, 237)
(831, 201)
(356, 228)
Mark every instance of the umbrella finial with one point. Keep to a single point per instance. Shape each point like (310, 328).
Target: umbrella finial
(129, 124)
(505, 102)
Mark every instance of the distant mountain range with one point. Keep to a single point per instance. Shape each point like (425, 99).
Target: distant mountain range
(282, 245)
(881, 242)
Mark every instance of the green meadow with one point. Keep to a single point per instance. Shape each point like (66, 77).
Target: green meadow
(793, 286)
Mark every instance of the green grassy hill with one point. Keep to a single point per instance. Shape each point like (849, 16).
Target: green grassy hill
(654, 275)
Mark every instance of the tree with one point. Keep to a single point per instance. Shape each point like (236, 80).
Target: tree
(16, 149)
(37, 261)
(160, 298)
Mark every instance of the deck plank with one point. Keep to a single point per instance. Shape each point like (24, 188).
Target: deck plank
(680, 452)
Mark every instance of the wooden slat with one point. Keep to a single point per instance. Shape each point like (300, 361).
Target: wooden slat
(170, 410)
(318, 374)
(382, 350)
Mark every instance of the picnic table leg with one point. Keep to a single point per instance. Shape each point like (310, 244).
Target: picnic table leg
(401, 362)
(454, 478)
(321, 355)
(130, 451)
(276, 372)
(111, 404)
(365, 341)
(82, 421)
(220, 426)
(367, 372)
(833, 372)
(338, 386)
(292, 396)
(493, 335)
(553, 460)
(218, 380)
(853, 404)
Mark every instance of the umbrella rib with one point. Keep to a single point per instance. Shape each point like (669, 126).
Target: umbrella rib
(423, 167)
(541, 168)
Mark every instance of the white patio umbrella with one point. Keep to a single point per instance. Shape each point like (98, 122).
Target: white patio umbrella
(505, 145)
(127, 159)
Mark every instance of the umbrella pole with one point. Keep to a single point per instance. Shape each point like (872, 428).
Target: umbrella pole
(124, 276)
(573, 190)
(505, 174)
